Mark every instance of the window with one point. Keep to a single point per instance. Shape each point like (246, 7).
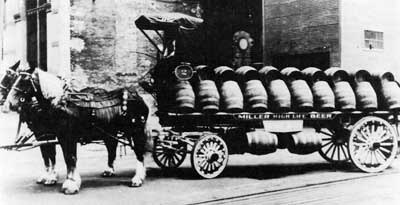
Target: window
(373, 39)
(36, 17)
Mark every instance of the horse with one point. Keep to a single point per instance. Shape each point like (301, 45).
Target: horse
(71, 121)
(48, 152)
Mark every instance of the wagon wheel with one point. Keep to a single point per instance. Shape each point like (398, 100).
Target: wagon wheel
(210, 156)
(171, 156)
(334, 145)
(372, 144)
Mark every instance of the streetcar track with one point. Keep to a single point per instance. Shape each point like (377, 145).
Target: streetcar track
(276, 194)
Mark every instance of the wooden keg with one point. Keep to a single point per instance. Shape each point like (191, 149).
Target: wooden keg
(231, 96)
(391, 95)
(304, 143)
(365, 94)
(230, 93)
(279, 98)
(255, 95)
(387, 90)
(261, 142)
(336, 74)
(269, 73)
(184, 97)
(324, 98)
(345, 98)
(302, 97)
(207, 96)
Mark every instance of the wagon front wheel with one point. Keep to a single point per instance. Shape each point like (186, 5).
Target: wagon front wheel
(372, 144)
(209, 156)
(170, 155)
(334, 145)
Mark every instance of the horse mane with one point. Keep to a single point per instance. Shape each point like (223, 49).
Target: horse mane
(51, 86)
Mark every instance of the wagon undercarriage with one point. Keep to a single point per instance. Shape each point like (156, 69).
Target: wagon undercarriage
(367, 139)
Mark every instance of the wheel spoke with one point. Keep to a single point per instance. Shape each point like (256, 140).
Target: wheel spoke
(330, 142)
(344, 152)
(326, 133)
(384, 150)
(333, 151)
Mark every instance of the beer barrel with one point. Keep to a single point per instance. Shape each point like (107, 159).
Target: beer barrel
(261, 142)
(365, 93)
(230, 93)
(345, 98)
(247, 73)
(255, 96)
(231, 96)
(224, 73)
(388, 90)
(292, 73)
(207, 96)
(279, 98)
(324, 98)
(184, 97)
(391, 95)
(336, 74)
(304, 143)
(269, 73)
(314, 74)
(302, 97)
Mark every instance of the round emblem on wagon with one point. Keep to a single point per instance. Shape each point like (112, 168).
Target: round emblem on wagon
(184, 72)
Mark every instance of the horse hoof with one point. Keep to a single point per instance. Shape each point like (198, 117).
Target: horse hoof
(41, 179)
(109, 172)
(51, 179)
(136, 182)
(70, 187)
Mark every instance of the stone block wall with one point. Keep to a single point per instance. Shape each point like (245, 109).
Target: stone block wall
(301, 27)
(107, 50)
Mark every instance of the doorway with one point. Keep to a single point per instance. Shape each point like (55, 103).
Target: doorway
(36, 21)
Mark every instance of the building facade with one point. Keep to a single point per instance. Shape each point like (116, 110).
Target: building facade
(96, 43)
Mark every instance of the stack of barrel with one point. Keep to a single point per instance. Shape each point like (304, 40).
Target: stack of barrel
(246, 89)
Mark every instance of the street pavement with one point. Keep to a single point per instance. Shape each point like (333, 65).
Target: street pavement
(278, 178)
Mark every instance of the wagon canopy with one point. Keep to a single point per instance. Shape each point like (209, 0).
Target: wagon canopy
(167, 21)
(181, 35)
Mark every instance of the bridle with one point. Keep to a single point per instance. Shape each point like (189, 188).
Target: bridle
(14, 87)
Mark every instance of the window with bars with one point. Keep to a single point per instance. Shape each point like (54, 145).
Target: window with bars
(373, 39)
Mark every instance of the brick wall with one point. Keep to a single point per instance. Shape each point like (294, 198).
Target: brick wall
(107, 50)
(301, 27)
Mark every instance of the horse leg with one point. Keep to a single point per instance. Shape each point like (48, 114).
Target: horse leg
(49, 158)
(42, 178)
(139, 148)
(111, 145)
(72, 182)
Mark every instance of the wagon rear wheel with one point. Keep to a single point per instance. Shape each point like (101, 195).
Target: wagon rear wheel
(170, 156)
(334, 145)
(210, 156)
(372, 144)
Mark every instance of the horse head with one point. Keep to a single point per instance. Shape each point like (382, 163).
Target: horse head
(23, 89)
(7, 79)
